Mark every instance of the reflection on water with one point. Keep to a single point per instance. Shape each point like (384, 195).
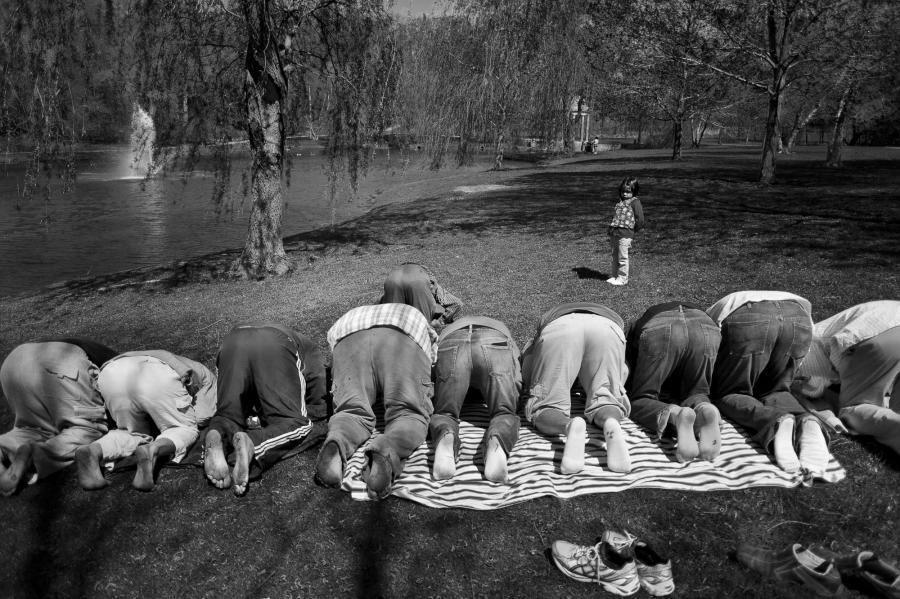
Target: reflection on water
(111, 223)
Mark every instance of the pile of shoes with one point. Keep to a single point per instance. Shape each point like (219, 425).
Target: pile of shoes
(823, 572)
(620, 563)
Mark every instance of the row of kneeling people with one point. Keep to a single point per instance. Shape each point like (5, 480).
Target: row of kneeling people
(681, 367)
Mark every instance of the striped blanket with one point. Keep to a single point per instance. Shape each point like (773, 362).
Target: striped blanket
(534, 468)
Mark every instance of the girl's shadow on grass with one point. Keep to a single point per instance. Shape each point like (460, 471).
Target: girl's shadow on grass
(583, 272)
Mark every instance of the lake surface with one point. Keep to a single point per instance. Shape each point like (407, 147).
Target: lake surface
(115, 220)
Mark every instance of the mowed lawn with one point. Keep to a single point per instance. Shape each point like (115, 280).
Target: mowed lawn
(832, 236)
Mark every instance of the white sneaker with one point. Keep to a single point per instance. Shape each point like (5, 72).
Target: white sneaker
(599, 564)
(616, 281)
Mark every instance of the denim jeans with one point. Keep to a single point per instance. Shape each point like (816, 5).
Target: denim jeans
(674, 365)
(620, 248)
(483, 359)
(260, 375)
(580, 346)
(380, 362)
(762, 343)
(50, 389)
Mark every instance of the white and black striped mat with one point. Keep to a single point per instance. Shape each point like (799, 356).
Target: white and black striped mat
(534, 468)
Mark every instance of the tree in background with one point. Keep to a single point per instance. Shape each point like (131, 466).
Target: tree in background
(861, 65)
(649, 43)
(769, 45)
(491, 71)
(60, 84)
(247, 68)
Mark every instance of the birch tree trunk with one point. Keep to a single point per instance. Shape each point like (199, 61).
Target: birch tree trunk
(833, 157)
(800, 124)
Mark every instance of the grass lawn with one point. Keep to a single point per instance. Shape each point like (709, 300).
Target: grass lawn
(832, 236)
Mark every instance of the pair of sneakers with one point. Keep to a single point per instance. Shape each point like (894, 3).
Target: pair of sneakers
(620, 563)
(823, 572)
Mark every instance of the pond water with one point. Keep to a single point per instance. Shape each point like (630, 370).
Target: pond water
(114, 220)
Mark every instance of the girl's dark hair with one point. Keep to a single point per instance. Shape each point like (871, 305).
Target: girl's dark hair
(629, 184)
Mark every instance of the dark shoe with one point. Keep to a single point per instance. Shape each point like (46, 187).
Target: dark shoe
(795, 564)
(867, 572)
(380, 476)
(654, 571)
(329, 466)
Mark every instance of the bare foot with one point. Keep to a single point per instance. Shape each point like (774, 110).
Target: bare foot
(444, 458)
(617, 457)
(148, 456)
(243, 449)
(214, 463)
(90, 476)
(687, 449)
(329, 465)
(573, 453)
(11, 479)
(709, 425)
(380, 479)
(495, 462)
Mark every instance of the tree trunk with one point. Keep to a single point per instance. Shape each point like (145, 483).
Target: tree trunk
(771, 139)
(778, 47)
(264, 91)
(833, 157)
(676, 139)
(698, 131)
(464, 154)
(799, 125)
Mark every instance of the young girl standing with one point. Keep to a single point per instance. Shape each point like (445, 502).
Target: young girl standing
(628, 218)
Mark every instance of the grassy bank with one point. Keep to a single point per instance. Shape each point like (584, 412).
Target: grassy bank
(830, 236)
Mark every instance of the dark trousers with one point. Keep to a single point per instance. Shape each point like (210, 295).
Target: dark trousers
(674, 365)
(479, 358)
(762, 343)
(259, 376)
(380, 362)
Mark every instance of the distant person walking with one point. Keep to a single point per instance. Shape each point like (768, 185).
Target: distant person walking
(628, 218)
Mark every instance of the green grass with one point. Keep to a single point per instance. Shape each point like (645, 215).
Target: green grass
(830, 236)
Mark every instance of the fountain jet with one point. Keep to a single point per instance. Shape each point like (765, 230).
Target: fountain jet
(143, 143)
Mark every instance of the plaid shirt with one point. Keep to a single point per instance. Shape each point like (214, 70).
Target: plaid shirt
(400, 316)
